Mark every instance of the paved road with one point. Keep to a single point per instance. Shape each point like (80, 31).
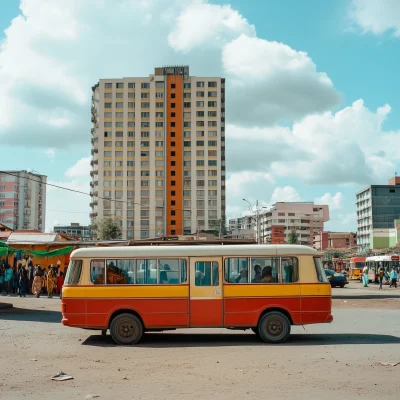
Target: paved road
(333, 361)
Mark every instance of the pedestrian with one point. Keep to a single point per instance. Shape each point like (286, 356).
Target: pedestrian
(1, 278)
(60, 283)
(37, 281)
(15, 283)
(23, 280)
(8, 274)
(51, 282)
(365, 277)
(381, 274)
(31, 275)
(393, 277)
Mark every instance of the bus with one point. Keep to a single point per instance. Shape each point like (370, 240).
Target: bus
(375, 262)
(133, 290)
(357, 265)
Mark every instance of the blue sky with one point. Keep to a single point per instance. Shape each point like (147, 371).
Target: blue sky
(332, 156)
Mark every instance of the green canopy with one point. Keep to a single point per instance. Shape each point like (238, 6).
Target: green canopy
(6, 250)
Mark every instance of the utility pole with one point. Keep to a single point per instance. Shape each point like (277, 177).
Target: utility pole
(258, 224)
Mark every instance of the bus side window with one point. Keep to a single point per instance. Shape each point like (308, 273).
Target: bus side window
(97, 272)
(269, 270)
(237, 270)
(206, 273)
(290, 269)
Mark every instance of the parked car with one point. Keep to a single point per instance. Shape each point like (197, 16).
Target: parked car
(336, 279)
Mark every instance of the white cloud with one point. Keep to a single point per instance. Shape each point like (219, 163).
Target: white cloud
(376, 16)
(286, 193)
(334, 202)
(207, 25)
(272, 82)
(80, 169)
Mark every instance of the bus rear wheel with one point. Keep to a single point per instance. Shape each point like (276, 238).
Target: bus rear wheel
(126, 329)
(274, 327)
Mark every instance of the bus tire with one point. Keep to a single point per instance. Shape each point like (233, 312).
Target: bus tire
(126, 329)
(274, 327)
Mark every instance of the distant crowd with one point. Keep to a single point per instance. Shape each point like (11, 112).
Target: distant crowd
(30, 279)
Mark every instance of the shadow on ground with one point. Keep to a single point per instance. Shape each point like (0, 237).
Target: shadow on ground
(24, 314)
(163, 340)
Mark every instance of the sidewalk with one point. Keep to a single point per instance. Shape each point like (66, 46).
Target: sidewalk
(355, 290)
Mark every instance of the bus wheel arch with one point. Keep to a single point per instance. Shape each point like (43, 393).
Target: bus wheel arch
(274, 325)
(126, 327)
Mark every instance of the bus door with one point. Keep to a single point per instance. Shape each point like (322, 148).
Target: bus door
(206, 304)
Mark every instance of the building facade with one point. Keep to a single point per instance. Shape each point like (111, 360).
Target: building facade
(23, 200)
(334, 240)
(306, 218)
(243, 227)
(377, 207)
(75, 229)
(158, 153)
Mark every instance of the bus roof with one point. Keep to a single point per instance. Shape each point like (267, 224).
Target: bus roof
(388, 257)
(354, 259)
(194, 251)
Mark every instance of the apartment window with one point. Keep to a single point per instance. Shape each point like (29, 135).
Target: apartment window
(159, 173)
(212, 133)
(212, 163)
(119, 105)
(172, 124)
(145, 143)
(119, 115)
(145, 85)
(145, 134)
(187, 115)
(199, 133)
(212, 193)
(159, 143)
(119, 143)
(108, 115)
(107, 144)
(145, 105)
(187, 143)
(187, 193)
(118, 173)
(212, 183)
(131, 104)
(187, 153)
(131, 95)
(130, 173)
(120, 86)
(200, 104)
(108, 95)
(173, 193)
(199, 153)
(159, 115)
(118, 183)
(108, 154)
(131, 85)
(187, 134)
(159, 124)
(107, 134)
(212, 123)
(187, 95)
(130, 153)
(145, 95)
(159, 104)
(212, 113)
(145, 115)
(212, 94)
(172, 134)
(118, 163)
(212, 104)
(121, 124)
(173, 105)
(187, 124)
(159, 85)
(145, 124)
(212, 142)
(160, 183)
(199, 142)
(107, 124)
(199, 94)
(212, 172)
(130, 143)
(172, 154)
(107, 183)
(212, 84)
(187, 163)
(144, 173)
(199, 113)
(200, 183)
(159, 95)
(107, 105)
(119, 134)
(199, 84)
(200, 173)
(130, 194)
(160, 153)
(108, 85)
(186, 104)
(199, 123)
(159, 163)
(144, 183)
(130, 163)
(187, 85)
(200, 163)
(172, 95)
(131, 115)
(172, 173)
(107, 173)
(107, 163)
(119, 95)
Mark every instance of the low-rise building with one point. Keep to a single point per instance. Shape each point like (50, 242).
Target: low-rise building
(334, 240)
(75, 229)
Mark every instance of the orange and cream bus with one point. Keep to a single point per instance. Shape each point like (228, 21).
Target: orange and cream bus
(133, 290)
(357, 265)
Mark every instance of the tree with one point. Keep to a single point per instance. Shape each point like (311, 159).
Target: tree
(107, 228)
(292, 238)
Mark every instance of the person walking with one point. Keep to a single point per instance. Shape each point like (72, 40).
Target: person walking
(381, 274)
(51, 282)
(365, 277)
(23, 280)
(393, 277)
(31, 275)
(37, 281)
(8, 274)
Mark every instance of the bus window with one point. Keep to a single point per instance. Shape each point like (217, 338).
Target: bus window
(206, 273)
(237, 270)
(97, 272)
(269, 269)
(290, 269)
(321, 276)
(168, 270)
(120, 272)
(73, 273)
(146, 272)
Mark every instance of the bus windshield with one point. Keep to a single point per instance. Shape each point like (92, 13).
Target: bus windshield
(73, 273)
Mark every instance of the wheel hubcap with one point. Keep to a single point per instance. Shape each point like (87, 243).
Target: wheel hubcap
(274, 328)
(126, 329)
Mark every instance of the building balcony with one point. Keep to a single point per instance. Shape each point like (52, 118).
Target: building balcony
(92, 131)
(94, 151)
(93, 215)
(93, 119)
(94, 162)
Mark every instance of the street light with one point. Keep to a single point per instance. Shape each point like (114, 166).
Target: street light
(257, 212)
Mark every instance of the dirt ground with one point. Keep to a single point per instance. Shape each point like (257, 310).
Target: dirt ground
(338, 360)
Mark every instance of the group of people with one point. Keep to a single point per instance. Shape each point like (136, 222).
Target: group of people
(390, 275)
(30, 279)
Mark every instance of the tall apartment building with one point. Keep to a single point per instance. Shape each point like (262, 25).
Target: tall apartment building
(377, 206)
(306, 218)
(158, 152)
(23, 200)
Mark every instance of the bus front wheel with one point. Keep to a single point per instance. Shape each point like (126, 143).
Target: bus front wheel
(274, 327)
(126, 329)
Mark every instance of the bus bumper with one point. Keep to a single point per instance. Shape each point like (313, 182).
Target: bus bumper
(329, 319)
